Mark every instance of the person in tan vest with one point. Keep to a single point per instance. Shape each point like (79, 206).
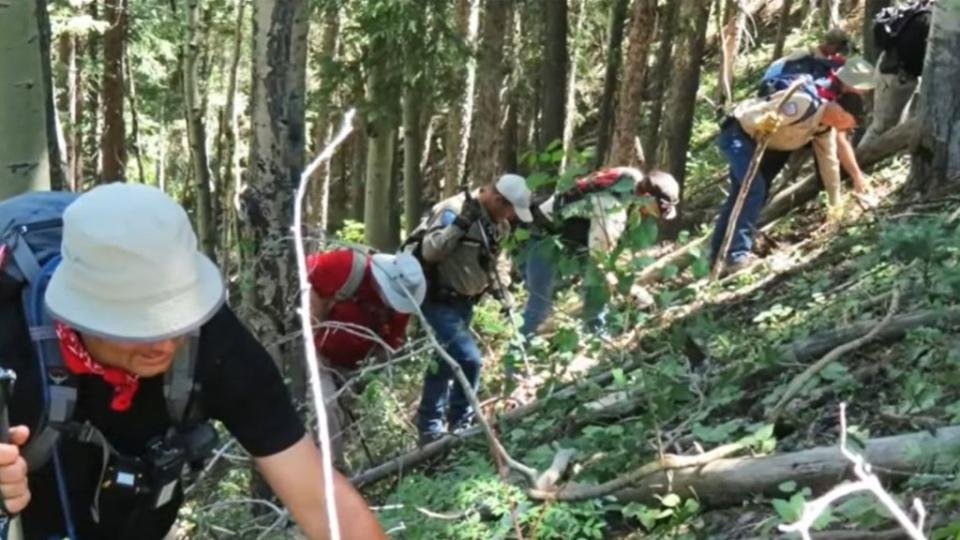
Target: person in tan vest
(805, 118)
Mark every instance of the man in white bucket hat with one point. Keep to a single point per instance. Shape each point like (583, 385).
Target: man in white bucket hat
(374, 292)
(135, 352)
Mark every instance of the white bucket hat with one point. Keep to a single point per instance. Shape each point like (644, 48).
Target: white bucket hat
(394, 273)
(131, 270)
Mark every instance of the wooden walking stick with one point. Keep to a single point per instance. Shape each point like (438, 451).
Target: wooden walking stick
(764, 139)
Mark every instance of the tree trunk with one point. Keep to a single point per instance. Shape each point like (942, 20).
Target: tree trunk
(324, 125)
(618, 13)
(460, 117)
(268, 195)
(24, 158)
(831, 14)
(492, 68)
(55, 137)
(685, 82)
(358, 171)
(231, 177)
(380, 151)
(554, 71)
(134, 119)
(90, 141)
(570, 109)
(734, 21)
(197, 132)
(936, 159)
(622, 149)
(663, 70)
(113, 152)
(412, 155)
(870, 10)
(783, 28)
(68, 105)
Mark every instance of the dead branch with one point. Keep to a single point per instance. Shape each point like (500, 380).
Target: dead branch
(800, 380)
(561, 462)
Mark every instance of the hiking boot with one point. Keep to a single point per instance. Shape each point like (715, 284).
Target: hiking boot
(427, 437)
(741, 263)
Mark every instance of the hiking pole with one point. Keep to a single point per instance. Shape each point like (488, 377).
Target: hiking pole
(501, 290)
(721, 257)
(10, 526)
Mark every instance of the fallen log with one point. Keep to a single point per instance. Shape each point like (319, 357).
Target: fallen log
(730, 481)
(817, 345)
(441, 446)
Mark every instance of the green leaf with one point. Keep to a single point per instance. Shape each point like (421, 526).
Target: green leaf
(670, 500)
(618, 377)
(788, 487)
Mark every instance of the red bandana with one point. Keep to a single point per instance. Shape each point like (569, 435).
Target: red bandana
(79, 362)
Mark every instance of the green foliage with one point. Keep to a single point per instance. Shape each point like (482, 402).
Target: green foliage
(351, 231)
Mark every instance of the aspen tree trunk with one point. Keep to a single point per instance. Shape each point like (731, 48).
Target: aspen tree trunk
(618, 13)
(197, 132)
(460, 117)
(230, 163)
(358, 172)
(380, 152)
(68, 103)
(412, 156)
(734, 20)
(134, 119)
(936, 160)
(25, 158)
(113, 151)
(323, 126)
(622, 149)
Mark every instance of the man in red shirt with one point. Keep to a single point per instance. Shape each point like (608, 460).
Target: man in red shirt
(367, 294)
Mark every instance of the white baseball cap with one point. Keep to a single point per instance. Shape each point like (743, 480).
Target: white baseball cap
(131, 270)
(514, 188)
(395, 274)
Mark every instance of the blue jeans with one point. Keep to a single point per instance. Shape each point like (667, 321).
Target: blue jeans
(451, 323)
(738, 148)
(539, 279)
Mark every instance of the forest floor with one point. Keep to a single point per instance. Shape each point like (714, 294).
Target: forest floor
(703, 368)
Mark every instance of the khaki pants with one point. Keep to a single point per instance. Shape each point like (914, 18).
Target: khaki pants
(891, 101)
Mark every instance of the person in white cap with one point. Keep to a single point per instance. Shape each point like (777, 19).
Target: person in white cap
(376, 292)
(458, 246)
(140, 352)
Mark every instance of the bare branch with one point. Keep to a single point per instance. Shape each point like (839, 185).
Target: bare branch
(310, 357)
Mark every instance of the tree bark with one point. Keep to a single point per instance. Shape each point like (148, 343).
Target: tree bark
(783, 27)
(622, 150)
(134, 119)
(618, 14)
(229, 162)
(197, 131)
(323, 125)
(412, 155)
(554, 71)
(68, 103)
(492, 68)
(24, 158)
(380, 151)
(460, 117)
(685, 82)
(734, 21)
(936, 159)
(267, 199)
(663, 70)
(359, 142)
(570, 109)
(113, 151)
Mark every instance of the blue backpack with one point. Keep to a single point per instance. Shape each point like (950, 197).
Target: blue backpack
(783, 72)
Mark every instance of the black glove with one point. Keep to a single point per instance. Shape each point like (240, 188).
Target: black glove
(469, 214)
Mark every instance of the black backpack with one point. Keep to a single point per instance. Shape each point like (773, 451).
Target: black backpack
(902, 32)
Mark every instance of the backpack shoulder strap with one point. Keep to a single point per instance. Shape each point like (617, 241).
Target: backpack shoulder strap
(358, 266)
(179, 383)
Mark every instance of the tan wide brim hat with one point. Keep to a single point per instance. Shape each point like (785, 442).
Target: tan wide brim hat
(131, 270)
(857, 73)
(400, 278)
